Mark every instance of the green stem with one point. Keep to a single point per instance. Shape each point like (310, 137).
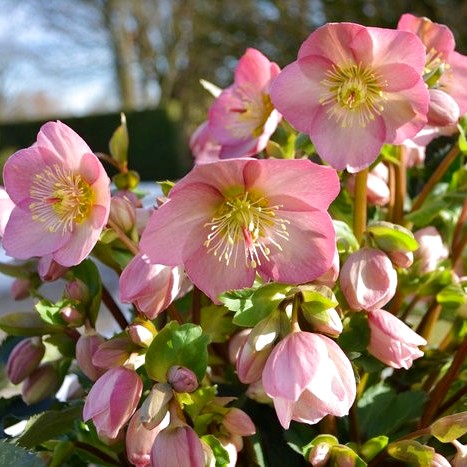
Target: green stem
(436, 177)
(132, 247)
(427, 324)
(442, 387)
(400, 188)
(359, 219)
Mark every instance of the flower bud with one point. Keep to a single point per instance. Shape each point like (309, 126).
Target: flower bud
(237, 422)
(122, 213)
(139, 441)
(40, 384)
(460, 459)
(326, 322)
(392, 341)
(377, 190)
(256, 392)
(156, 405)
(114, 352)
(431, 249)
(77, 290)
(413, 155)
(49, 270)
(440, 461)
(86, 347)
(71, 316)
(368, 279)
(343, 456)
(449, 428)
(20, 289)
(319, 455)
(235, 344)
(24, 359)
(443, 109)
(182, 379)
(231, 445)
(401, 259)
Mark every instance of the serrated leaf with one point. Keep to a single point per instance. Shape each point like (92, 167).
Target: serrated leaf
(17, 456)
(392, 237)
(48, 425)
(118, 144)
(184, 345)
(216, 322)
(27, 323)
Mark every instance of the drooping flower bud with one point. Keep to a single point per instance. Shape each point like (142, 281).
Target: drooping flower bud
(114, 352)
(86, 347)
(392, 341)
(443, 109)
(122, 213)
(431, 249)
(401, 259)
(182, 379)
(235, 344)
(460, 459)
(24, 359)
(141, 334)
(368, 279)
(326, 321)
(40, 384)
(20, 289)
(237, 422)
(77, 290)
(256, 392)
(71, 316)
(377, 190)
(49, 270)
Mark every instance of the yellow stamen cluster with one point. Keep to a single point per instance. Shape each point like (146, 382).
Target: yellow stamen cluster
(353, 94)
(61, 199)
(245, 225)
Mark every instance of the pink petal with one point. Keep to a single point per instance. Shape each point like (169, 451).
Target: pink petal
(311, 183)
(90, 168)
(25, 238)
(67, 145)
(177, 228)
(454, 80)
(304, 77)
(341, 146)
(392, 46)
(213, 276)
(254, 69)
(284, 409)
(399, 76)
(242, 148)
(307, 254)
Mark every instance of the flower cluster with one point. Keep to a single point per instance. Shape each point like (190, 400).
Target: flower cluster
(288, 276)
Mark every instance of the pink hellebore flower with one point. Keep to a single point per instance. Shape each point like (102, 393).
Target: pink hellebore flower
(444, 69)
(308, 377)
(242, 118)
(112, 400)
(203, 146)
(354, 87)
(152, 287)
(227, 220)
(392, 341)
(431, 249)
(367, 279)
(61, 195)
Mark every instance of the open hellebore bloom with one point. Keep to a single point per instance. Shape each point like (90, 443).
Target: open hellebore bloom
(61, 195)
(367, 279)
(242, 118)
(354, 87)
(203, 146)
(227, 220)
(392, 341)
(112, 400)
(308, 377)
(445, 69)
(152, 287)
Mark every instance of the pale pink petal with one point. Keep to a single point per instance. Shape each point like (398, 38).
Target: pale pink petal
(454, 80)
(335, 41)
(391, 46)
(284, 410)
(304, 77)
(177, 227)
(397, 77)
(82, 239)
(342, 147)
(313, 184)
(61, 140)
(254, 69)
(307, 254)
(310, 409)
(25, 238)
(242, 148)
(90, 168)
(211, 274)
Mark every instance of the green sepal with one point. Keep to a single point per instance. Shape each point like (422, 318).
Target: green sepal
(346, 241)
(371, 448)
(183, 345)
(126, 180)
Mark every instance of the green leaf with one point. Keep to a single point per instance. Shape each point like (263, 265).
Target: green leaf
(48, 425)
(452, 296)
(412, 452)
(118, 144)
(27, 323)
(237, 300)
(216, 322)
(356, 334)
(50, 312)
(274, 150)
(220, 453)
(462, 141)
(16, 456)
(317, 298)
(434, 282)
(88, 273)
(346, 241)
(373, 447)
(198, 400)
(264, 301)
(392, 237)
(166, 186)
(184, 345)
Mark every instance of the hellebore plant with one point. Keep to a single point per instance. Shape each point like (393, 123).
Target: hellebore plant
(273, 311)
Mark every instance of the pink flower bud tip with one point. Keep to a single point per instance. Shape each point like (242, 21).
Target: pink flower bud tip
(182, 379)
(24, 359)
(40, 384)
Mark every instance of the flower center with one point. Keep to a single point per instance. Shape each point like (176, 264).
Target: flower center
(61, 199)
(245, 225)
(353, 95)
